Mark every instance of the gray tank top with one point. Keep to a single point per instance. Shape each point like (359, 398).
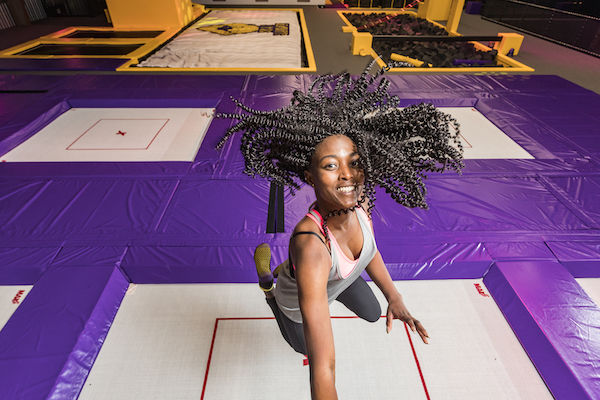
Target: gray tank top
(286, 290)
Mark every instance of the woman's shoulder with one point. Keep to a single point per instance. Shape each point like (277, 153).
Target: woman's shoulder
(307, 224)
(307, 235)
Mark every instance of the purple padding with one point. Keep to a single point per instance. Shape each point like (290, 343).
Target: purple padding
(470, 204)
(217, 211)
(459, 84)
(12, 103)
(94, 169)
(556, 322)
(582, 259)
(57, 209)
(584, 191)
(24, 265)
(513, 251)
(557, 107)
(48, 346)
(538, 83)
(198, 264)
(60, 64)
(30, 82)
(89, 255)
(28, 122)
(434, 261)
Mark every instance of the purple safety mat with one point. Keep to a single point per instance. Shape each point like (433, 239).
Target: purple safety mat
(25, 265)
(584, 191)
(582, 259)
(49, 344)
(555, 320)
(58, 209)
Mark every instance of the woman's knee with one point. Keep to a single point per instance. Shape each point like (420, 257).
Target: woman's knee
(373, 313)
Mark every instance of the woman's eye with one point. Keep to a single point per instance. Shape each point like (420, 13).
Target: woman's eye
(355, 163)
(330, 166)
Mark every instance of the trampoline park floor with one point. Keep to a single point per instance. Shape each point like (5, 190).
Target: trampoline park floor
(132, 276)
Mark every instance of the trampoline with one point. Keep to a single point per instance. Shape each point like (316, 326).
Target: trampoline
(237, 39)
(138, 277)
(118, 134)
(222, 340)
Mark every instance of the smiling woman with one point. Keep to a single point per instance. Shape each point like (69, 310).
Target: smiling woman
(343, 139)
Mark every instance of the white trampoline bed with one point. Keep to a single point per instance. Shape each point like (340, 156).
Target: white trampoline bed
(196, 48)
(163, 336)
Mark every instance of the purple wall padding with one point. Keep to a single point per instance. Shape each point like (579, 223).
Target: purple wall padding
(556, 322)
(24, 265)
(48, 346)
(60, 64)
(582, 259)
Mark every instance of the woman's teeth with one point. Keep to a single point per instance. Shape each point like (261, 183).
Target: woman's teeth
(346, 189)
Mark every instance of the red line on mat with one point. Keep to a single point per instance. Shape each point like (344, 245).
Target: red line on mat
(161, 128)
(417, 361)
(212, 345)
(80, 136)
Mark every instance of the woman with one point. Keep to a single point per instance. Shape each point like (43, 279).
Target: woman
(342, 139)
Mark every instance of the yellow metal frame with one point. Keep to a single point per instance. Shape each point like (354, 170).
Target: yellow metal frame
(363, 41)
(312, 66)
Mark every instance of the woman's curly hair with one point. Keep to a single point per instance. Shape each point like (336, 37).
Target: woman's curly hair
(396, 147)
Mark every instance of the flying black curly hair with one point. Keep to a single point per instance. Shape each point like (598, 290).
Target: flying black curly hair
(396, 147)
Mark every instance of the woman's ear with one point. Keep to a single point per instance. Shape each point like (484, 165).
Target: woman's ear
(308, 178)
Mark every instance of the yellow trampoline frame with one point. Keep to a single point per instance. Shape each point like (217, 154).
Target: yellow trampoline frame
(150, 44)
(361, 43)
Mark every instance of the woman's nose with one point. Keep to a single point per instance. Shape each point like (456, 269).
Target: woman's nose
(345, 172)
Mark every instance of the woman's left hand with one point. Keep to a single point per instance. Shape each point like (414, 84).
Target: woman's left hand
(397, 310)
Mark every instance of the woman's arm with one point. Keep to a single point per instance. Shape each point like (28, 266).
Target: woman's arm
(396, 308)
(312, 272)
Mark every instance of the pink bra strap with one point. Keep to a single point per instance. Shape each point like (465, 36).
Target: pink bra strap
(319, 221)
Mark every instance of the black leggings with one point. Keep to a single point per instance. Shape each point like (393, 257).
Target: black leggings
(358, 298)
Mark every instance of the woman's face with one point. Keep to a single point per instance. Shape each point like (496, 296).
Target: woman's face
(335, 173)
